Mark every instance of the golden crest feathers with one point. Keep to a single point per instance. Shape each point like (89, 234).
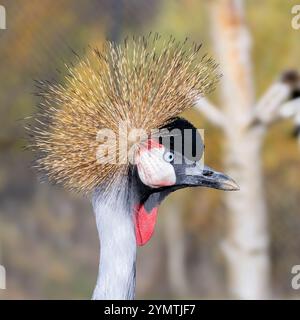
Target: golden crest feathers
(143, 82)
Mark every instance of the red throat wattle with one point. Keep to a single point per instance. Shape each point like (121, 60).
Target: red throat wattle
(144, 224)
(145, 221)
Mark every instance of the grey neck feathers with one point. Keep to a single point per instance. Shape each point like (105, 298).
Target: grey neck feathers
(114, 218)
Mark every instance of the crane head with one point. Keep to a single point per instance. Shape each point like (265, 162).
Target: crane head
(172, 161)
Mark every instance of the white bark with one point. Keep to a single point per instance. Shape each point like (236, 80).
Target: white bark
(268, 107)
(246, 246)
(211, 112)
(291, 109)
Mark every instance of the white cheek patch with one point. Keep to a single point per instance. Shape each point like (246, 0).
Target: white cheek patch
(153, 170)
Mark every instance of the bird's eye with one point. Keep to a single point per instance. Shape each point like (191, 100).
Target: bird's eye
(169, 156)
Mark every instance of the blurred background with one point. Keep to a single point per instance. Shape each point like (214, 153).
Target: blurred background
(49, 242)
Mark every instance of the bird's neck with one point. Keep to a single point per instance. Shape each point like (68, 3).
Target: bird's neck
(125, 217)
(115, 224)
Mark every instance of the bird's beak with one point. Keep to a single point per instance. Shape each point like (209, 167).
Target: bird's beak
(207, 177)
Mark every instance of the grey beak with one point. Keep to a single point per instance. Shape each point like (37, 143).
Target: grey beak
(207, 177)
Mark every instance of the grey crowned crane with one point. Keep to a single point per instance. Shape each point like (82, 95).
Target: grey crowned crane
(142, 84)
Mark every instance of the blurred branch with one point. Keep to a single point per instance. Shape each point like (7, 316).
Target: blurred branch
(290, 109)
(211, 112)
(272, 104)
(266, 109)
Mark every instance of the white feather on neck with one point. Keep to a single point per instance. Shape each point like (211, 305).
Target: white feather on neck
(116, 278)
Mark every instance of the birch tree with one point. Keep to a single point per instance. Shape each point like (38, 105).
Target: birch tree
(244, 122)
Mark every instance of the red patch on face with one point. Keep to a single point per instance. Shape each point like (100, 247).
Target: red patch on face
(149, 145)
(153, 144)
(144, 224)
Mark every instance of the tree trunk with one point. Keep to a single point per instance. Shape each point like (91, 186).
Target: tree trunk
(246, 246)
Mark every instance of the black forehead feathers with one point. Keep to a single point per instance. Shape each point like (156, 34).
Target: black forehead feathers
(182, 137)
